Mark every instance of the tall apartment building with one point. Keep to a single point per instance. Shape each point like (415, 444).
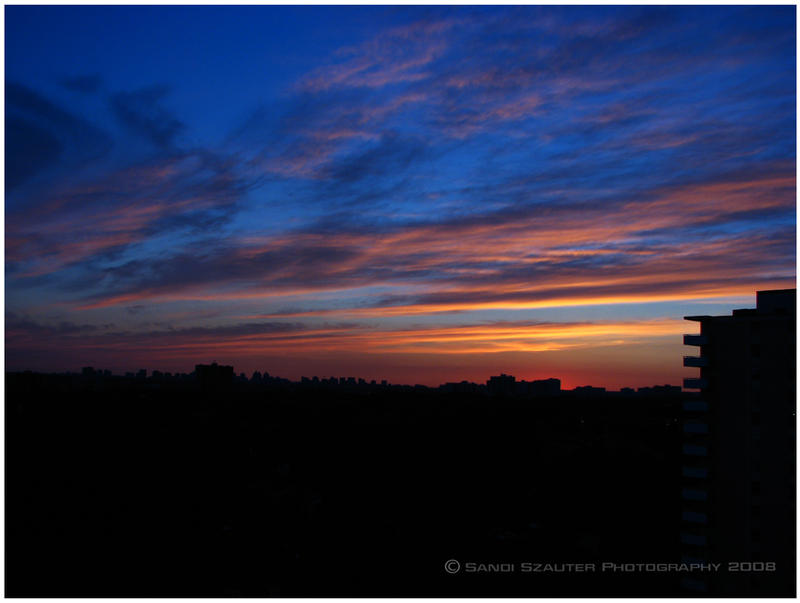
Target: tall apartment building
(738, 498)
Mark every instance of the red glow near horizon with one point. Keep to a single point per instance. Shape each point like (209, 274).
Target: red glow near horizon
(416, 194)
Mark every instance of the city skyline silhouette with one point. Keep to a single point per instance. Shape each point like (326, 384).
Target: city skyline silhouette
(215, 484)
(394, 301)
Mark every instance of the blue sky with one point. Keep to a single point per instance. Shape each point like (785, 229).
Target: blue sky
(411, 193)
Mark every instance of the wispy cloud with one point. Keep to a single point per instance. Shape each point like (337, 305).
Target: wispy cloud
(462, 160)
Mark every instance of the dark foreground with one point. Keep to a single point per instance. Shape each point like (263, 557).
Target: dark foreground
(119, 488)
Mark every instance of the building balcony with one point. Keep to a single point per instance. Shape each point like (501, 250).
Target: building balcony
(692, 494)
(695, 383)
(695, 517)
(694, 539)
(695, 428)
(694, 472)
(695, 406)
(695, 361)
(695, 340)
(695, 450)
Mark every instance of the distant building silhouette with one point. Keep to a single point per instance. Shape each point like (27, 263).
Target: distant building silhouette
(507, 385)
(463, 387)
(502, 385)
(590, 390)
(213, 375)
(660, 390)
(738, 497)
(545, 387)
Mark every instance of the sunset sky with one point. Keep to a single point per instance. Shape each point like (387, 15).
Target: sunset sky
(418, 194)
